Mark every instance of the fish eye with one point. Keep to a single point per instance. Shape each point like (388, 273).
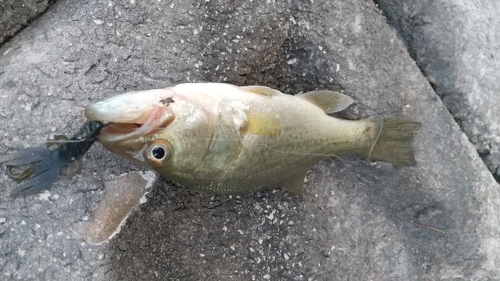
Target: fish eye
(158, 152)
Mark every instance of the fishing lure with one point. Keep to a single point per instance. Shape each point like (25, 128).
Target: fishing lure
(45, 164)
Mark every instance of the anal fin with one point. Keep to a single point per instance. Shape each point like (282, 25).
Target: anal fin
(295, 184)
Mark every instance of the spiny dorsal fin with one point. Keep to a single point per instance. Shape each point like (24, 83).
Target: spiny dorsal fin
(329, 101)
(261, 90)
(295, 184)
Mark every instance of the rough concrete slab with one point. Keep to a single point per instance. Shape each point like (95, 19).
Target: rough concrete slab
(17, 14)
(456, 45)
(357, 221)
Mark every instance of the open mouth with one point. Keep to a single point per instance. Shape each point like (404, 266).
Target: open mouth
(149, 122)
(113, 128)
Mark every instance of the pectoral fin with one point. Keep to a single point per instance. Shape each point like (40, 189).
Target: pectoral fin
(295, 184)
(261, 90)
(261, 124)
(329, 101)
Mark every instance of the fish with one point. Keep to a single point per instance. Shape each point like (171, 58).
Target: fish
(45, 164)
(225, 139)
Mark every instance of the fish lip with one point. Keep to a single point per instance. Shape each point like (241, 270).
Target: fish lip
(149, 122)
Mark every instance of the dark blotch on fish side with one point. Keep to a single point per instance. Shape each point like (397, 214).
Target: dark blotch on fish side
(46, 164)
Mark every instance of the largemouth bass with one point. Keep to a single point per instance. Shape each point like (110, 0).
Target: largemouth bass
(226, 139)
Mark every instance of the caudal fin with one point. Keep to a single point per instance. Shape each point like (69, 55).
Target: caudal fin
(392, 140)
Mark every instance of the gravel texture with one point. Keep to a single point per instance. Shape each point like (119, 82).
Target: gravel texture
(17, 14)
(357, 221)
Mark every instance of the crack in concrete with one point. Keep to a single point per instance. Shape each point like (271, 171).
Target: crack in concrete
(28, 22)
(437, 83)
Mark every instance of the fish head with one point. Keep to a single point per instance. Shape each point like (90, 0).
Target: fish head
(160, 129)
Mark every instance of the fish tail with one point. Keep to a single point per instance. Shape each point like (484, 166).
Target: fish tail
(392, 140)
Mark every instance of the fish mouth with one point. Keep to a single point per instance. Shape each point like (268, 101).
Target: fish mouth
(149, 122)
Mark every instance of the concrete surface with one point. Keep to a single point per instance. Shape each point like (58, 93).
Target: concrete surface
(357, 221)
(456, 45)
(17, 14)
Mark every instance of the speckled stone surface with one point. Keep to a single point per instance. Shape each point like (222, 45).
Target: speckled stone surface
(17, 14)
(435, 221)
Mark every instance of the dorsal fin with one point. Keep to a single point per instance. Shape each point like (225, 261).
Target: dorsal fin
(262, 90)
(329, 101)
